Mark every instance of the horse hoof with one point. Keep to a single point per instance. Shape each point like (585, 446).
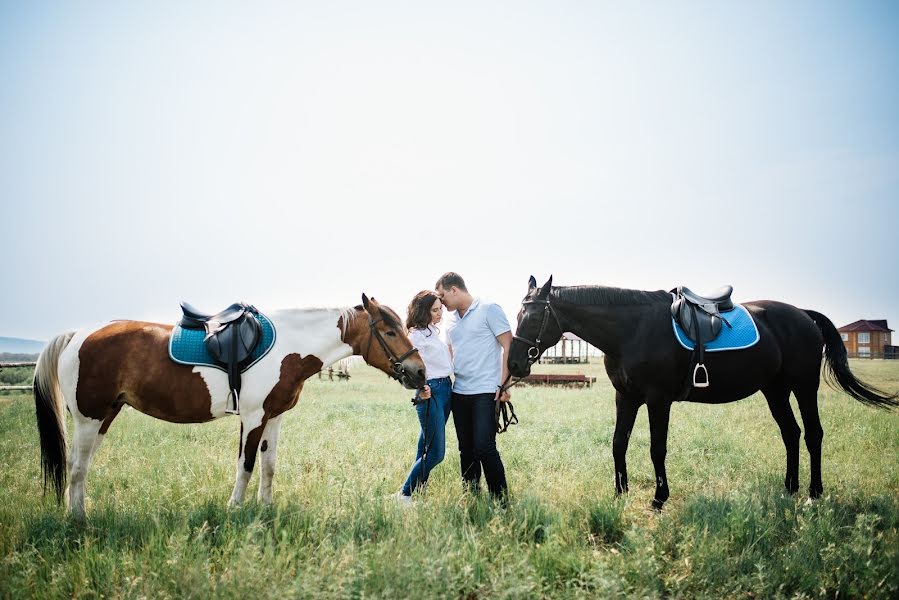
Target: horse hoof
(657, 504)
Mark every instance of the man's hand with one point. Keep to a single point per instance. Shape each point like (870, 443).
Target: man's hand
(502, 395)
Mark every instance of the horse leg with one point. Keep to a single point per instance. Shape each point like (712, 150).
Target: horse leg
(807, 398)
(659, 412)
(251, 427)
(625, 414)
(84, 443)
(778, 397)
(101, 435)
(269, 449)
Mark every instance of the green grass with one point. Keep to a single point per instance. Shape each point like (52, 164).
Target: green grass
(159, 526)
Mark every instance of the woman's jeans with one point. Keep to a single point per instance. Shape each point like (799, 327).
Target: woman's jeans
(474, 416)
(437, 411)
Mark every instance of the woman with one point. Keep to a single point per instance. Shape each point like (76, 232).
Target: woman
(424, 313)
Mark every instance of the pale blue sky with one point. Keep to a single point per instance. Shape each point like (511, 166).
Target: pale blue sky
(358, 146)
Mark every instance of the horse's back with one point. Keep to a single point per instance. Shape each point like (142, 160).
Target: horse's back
(128, 362)
(797, 335)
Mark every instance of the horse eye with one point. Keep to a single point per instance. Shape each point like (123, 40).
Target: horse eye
(390, 333)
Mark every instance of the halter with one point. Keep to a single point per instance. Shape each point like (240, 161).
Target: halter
(504, 412)
(534, 350)
(399, 371)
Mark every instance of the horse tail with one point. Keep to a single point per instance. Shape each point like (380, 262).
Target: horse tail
(837, 373)
(51, 423)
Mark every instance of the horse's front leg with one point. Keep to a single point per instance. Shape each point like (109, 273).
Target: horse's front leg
(252, 424)
(626, 408)
(659, 412)
(269, 451)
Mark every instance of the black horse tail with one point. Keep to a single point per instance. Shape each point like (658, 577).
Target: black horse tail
(837, 373)
(51, 420)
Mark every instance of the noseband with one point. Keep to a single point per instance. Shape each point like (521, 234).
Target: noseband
(534, 349)
(399, 371)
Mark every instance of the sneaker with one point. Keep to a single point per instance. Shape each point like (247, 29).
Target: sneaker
(402, 499)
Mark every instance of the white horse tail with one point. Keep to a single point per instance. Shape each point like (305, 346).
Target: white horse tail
(51, 418)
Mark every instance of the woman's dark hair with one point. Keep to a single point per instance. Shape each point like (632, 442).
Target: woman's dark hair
(418, 315)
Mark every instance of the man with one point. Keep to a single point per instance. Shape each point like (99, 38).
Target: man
(479, 337)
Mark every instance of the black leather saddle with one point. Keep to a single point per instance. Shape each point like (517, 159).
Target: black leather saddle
(231, 337)
(700, 318)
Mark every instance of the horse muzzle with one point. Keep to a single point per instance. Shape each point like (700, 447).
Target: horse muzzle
(412, 374)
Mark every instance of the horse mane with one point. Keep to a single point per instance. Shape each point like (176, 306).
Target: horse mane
(601, 295)
(387, 314)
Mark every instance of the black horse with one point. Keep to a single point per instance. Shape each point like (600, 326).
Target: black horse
(647, 366)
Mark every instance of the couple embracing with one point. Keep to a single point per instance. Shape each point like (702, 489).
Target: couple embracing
(478, 339)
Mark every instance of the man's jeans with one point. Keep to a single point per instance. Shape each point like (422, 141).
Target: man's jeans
(437, 415)
(474, 417)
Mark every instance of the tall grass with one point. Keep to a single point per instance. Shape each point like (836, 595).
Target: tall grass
(159, 526)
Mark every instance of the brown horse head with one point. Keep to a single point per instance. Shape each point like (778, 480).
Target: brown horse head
(377, 333)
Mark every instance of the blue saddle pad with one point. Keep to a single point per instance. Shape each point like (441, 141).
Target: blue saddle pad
(741, 334)
(188, 348)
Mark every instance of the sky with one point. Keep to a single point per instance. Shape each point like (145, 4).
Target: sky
(301, 153)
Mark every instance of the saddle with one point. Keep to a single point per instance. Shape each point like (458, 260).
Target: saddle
(231, 337)
(700, 317)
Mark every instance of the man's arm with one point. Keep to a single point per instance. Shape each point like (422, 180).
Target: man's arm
(505, 340)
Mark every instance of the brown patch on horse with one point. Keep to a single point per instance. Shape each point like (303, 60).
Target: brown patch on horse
(113, 413)
(294, 371)
(128, 362)
(252, 445)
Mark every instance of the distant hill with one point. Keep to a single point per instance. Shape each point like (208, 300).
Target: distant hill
(20, 346)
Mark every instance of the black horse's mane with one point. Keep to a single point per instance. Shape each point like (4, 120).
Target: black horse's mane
(601, 295)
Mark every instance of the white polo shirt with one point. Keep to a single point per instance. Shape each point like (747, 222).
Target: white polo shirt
(433, 351)
(477, 355)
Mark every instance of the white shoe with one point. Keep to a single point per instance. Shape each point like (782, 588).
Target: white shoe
(402, 499)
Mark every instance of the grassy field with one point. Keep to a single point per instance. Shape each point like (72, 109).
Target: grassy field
(159, 526)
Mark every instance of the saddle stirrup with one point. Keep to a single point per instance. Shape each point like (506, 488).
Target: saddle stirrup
(232, 406)
(705, 376)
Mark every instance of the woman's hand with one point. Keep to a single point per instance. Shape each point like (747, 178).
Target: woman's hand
(425, 393)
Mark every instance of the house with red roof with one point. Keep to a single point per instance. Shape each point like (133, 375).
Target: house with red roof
(868, 338)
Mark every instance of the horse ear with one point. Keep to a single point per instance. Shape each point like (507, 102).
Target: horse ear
(365, 302)
(532, 283)
(544, 291)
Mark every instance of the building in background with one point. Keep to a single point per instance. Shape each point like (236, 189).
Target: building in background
(868, 339)
(570, 350)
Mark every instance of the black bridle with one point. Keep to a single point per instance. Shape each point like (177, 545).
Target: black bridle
(534, 350)
(399, 371)
(504, 411)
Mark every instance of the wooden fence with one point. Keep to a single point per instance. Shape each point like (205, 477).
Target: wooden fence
(16, 388)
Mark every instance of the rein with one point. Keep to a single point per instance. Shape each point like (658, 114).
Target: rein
(504, 412)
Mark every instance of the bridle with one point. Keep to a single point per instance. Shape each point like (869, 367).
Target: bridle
(504, 412)
(399, 371)
(534, 349)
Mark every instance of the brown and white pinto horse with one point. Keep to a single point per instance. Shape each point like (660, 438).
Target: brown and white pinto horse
(96, 372)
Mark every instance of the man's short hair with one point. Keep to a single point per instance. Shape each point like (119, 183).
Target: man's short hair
(448, 280)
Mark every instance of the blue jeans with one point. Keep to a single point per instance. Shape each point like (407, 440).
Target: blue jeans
(437, 416)
(475, 422)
